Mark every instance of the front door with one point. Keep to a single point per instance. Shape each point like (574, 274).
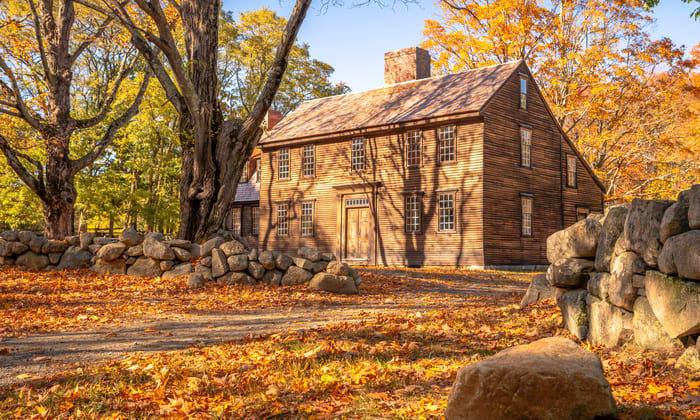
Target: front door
(357, 233)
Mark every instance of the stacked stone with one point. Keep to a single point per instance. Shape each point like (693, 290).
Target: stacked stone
(632, 274)
(33, 251)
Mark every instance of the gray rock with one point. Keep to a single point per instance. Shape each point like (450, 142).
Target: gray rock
(238, 262)
(539, 290)
(356, 276)
(642, 228)
(100, 240)
(267, 259)
(552, 378)
(195, 281)
(309, 254)
(206, 248)
(156, 236)
(338, 268)
(273, 278)
(296, 275)
(94, 248)
(283, 261)
(26, 236)
(694, 207)
(9, 235)
(256, 270)
(689, 360)
(599, 284)
(5, 248)
(73, 240)
(219, 265)
(608, 325)
(74, 258)
(52, 246)
(575, 313)
(675, 219)
(130, 237)
(37, 243)
(180, 270)
(166, 265)
(204, 271)
(577, 241)
(233, 247)
(55, 257)
(676, 303)
(134, 251)
(109, 267)
(681, 255)
(333, 283)
(320, 266)
(236, 277)
(130, 260)
(648, 331)
(86, 240)
(303, 263)
(180, 243)
(253, 254)
(181, 254)
(206, 261)
(196, 250)
(327, 256)
(569, 273)
(613, 225)
(621, 290)
(18, 248)
(156, 249)
(31, 260)
(111, 252)
(145, 267)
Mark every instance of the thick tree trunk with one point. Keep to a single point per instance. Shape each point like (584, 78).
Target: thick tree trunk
(60, 194)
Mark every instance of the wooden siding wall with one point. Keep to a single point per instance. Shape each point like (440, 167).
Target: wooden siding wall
(505, 179)
(385, 163)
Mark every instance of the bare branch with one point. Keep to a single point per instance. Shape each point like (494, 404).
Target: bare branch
(12, 156)
(40, 42)
(83, 45)
(27, 115)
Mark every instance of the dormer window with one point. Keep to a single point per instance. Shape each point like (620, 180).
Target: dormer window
(523, 92)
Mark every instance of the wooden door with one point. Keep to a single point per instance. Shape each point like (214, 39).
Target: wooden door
(357, 233)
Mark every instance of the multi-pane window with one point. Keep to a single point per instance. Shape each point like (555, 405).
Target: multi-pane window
(255, 215)
(526, 204)
(413, 148)
(446, 212)
(523, 92)
(308, 160)
(412, 211)
(571, 171)
(283, 164)
(282, 219)
(357, 154)
(525, 147)
(446, 136)
(236, 220)
(307, 218)
(256, 175)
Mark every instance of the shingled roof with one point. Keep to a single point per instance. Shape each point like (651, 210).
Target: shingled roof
(409, 101)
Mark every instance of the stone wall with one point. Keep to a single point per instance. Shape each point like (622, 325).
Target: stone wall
(220, 260)
(632, 274)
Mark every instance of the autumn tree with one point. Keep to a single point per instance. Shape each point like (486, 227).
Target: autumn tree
(40, 52)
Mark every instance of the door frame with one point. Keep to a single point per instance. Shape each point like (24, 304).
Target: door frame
(366, 190)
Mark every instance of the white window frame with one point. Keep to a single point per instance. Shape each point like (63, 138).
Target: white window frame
(307, 218)
(414, 145)
(255, 220)
(283, 164)
(525, 147)
(357, 154)
(308, 160)
(236, 220)
(447, 144)
(446, 214)
(413, 210)
(282, 221)
(571, 171)
(523, 92)
(527, 203)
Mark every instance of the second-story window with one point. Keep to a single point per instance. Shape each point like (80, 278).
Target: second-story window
(523, 92)
(308, 160)
(447, 144)
(525, 147)
(236, 220)
(358, 154)
(571, 171)
(283, 164)
(413, 148)
(282, 219)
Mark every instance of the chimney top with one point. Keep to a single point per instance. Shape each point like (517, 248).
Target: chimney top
(271, 119)
(405, 65)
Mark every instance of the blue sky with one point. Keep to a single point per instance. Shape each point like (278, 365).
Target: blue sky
(354, 39)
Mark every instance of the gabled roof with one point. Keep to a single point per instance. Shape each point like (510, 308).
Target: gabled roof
(456, 93)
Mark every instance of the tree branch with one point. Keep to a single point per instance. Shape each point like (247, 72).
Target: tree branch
(12, 156)
(20, 105)
(83, 45)
(40, 42)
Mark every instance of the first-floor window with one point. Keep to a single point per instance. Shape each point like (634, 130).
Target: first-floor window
(571, 171)
(307, 218)
(526, 204)
(446, 212)
(255, 215)
(236, 220)
(412, 210)
(282, 219)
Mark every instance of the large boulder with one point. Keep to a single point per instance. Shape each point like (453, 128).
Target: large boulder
(548, 379)
(134, 251)
(52, 247)
(569, 273)
(145, 267)
(283, 261)
(109, 267)
(320, 266)
(153, 248)
(180, 270)
(74, 258)
(310, 254)
(689, 360)
(26, 236)
(642, 228)
(31, 260)
(37, 244)
(236, 277)
(694, 207)
(676, 303)
(130, 237)
(296, 275)
(608, 325)
(339, 268)
(621, 288)
(206, 248)
(681, 255)
(575, 313)
(181, 254)
(195, 281)
(599, 284)
(167, 265)
(10, 235)
(539, 290)
(219, 265)
(256, 270)
(267, 259)
(675, 219)
(303, 263)
(273, 277)
(18, 248)
(613, 226)
(648, 331)
(238, 262)
(5, 248)
(577, 241)
(86, 240)
(111, 252)
(333, 283)
(233, 247)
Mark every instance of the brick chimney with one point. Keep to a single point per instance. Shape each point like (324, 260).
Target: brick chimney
(405, 65)
(271, 119)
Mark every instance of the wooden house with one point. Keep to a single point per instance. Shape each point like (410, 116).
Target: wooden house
(467, 169)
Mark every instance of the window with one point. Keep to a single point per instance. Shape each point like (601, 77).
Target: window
(356, 202)
(358, 154)
(525, 147)
(283, 164)
(571, 171)
(526, 204)
(307, 218)
(256, 177)
(523, 92)
(446, 212)
(308, 160)
(236, 220)
(446, 137)
(282, 219)
(255, 223)
(413, 148)
(412, 213)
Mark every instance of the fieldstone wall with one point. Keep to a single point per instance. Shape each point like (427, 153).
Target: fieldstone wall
(220, 260)
(632, 274)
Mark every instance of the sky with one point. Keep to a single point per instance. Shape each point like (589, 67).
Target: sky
(354, 39)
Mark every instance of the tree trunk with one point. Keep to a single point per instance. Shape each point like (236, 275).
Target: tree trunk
(60, 193)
